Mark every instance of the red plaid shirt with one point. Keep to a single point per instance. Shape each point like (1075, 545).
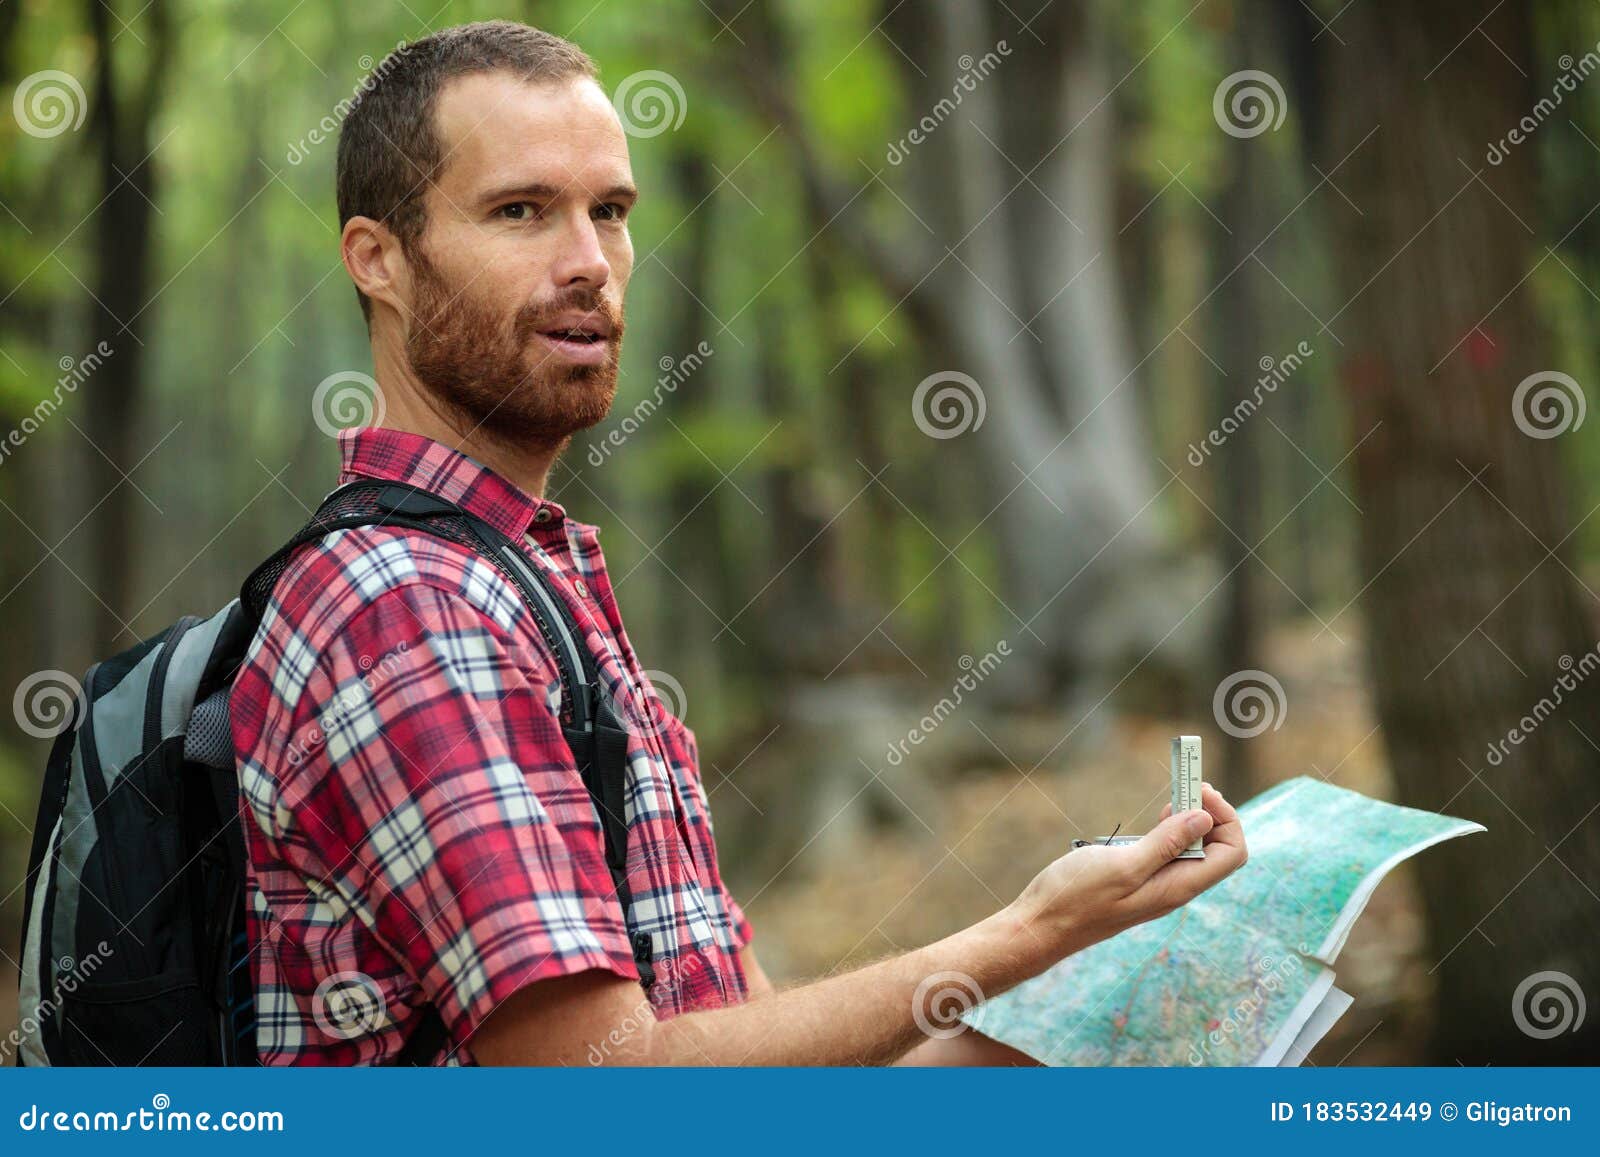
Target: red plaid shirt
(417, 829)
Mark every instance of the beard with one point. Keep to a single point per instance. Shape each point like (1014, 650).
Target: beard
(495, 374)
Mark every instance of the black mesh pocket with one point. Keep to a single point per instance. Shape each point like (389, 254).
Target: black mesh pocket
(159, 1020)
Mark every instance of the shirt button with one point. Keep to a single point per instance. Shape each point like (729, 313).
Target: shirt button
(583, 591)
(542, 515)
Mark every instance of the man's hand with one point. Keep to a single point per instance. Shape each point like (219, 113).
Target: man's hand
(870, 1016)
(1095, 892)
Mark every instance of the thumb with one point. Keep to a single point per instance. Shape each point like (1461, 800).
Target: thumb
(1162, 843)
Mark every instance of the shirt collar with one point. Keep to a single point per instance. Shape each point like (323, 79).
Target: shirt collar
(398, 456)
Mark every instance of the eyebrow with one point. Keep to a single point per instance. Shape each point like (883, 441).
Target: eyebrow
(538, 191)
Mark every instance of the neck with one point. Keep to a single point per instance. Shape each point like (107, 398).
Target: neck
(410, 406)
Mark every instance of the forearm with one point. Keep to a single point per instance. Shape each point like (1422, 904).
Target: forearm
(864, 1017)
(872, 1015)
(969, 1049)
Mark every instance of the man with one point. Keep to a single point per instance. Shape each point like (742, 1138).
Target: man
(415, 822)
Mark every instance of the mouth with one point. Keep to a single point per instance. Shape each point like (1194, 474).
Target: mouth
(580, 344)
(580, 336)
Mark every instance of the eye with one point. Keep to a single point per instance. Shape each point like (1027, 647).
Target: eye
(611, 211)
(519, 211)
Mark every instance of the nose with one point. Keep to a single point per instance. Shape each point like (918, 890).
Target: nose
(581, 261)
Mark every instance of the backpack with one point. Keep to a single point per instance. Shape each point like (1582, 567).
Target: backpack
(134, 944)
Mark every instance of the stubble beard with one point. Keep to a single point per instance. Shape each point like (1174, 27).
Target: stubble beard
(495, 376)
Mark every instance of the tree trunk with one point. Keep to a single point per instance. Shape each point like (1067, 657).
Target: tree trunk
(1472, 621)
(1239, 340)
(1062, 458)
(121, 126)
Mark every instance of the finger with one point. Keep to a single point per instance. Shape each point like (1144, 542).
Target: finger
(1221, 810)
(1227, 828)
(1183, 880)
(1165, 812)
(1162, 843)
(1225, 855)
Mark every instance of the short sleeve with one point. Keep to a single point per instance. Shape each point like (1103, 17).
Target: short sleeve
(743, 933)
(438, 798)
(731, 916)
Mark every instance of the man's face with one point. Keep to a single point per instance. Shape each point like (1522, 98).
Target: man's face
(518, 279)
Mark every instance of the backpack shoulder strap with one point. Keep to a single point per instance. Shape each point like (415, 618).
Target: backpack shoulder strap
(376, 503)
(591, 728)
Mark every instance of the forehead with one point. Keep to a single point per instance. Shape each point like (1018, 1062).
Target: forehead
(496, 129)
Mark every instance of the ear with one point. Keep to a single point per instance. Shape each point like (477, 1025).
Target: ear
(376, 263)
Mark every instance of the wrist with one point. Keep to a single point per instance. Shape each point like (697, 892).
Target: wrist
(1014, 945)
(1043, 935)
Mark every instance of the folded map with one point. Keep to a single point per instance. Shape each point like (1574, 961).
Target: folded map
(1243, 974)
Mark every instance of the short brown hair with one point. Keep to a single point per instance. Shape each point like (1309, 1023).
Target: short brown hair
(389, 147)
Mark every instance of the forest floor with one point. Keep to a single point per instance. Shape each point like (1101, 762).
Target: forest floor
(827, 912)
